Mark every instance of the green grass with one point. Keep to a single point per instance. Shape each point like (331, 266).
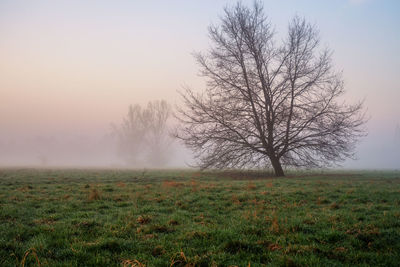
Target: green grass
(156, 218)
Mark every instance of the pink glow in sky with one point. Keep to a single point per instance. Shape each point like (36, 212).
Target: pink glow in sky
(71, 68)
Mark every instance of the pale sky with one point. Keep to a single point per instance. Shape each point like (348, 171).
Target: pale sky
(73, 67)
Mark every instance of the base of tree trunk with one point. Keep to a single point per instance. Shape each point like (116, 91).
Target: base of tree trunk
(277, 167)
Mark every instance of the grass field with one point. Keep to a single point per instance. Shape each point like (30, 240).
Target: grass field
(188, 218)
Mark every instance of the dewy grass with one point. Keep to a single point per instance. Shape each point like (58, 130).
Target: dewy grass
(178, 218)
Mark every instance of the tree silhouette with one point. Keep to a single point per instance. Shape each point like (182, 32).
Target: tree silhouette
(268, 104)
(143, 138)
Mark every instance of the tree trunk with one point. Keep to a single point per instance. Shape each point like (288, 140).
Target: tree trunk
(277, 167)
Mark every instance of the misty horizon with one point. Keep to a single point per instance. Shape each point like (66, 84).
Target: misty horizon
(76, 150)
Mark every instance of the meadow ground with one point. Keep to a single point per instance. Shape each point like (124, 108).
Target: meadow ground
(188, 218)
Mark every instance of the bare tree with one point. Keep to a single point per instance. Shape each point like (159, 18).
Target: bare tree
(268, 104)
(158, 138)
(130, 136)
(143, 137)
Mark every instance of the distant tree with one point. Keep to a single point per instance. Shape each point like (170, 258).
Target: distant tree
(143, 137)
(157, 136)
(268, 104)
(130, 135)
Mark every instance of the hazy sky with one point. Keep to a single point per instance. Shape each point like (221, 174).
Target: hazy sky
(73, 67)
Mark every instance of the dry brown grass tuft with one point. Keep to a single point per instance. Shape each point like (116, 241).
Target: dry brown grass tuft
(274, 225)
(195, 186)
(48, 221)
(250, 215)
(274, 247)
(322, 200)
(31, 251)
(149, 236)
(143, 219)
(179, 259)
(251, 186)
(200, 219)
(309, 219)
(351, 191)
(334, 206)
(173, 222)
(208, 186)
(196, 234)
(94, 194)
(25, 188)
(132, 263)
(235, 199)
(269, 185)
(340, 249)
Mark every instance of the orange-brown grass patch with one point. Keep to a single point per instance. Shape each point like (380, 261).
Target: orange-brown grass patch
(351, 191)
(159, 199)
(14, 198)
(195, 234)
(172, 184)
(31, 251)
(196, 175)
(48, 221)
(298, 249)
(208, 186)
(341, 249)
(269, 185)
(251, 186)
(371, 230)
(94, 194)
(143, 219)
(148, 236)
(195, 185)
(235, 199)
(274, 225)
(274, 247)
(334, 206)
(121, 184)
(250, 215)
(200, 219)
(25, 188)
